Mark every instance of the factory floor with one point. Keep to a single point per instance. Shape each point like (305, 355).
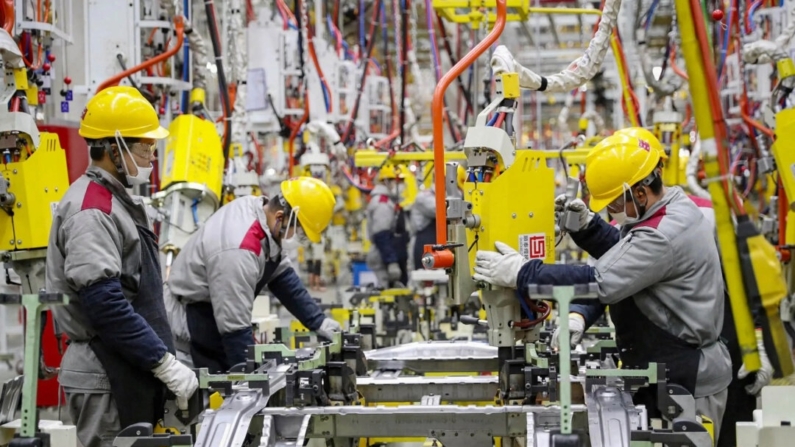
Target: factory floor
(10, 325)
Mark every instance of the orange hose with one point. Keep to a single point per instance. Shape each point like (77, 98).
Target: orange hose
(294, 133)
(715, 106)
(783, 210)
(8, 12)
(437, 111)
(675, 67)
(179, 24)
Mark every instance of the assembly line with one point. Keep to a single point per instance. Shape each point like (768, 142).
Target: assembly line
(265, 223)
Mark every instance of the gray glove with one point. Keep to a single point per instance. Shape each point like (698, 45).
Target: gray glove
(576, 330)
(763, 376)
(576, 206)
(327, 329)
(393, 270)
(178, 378)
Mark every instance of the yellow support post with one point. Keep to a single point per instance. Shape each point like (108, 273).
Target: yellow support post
(699, 92)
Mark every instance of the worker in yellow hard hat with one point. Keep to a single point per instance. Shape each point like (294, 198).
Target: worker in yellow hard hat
(659, 273)
(745, 386)
(423, 217)
(233, 256)
(387, 230)
(103, 254)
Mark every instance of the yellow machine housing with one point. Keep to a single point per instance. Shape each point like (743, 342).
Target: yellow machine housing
(38, 182)
(516, 208)
(193, 154)
(668, 129)
(785, 156)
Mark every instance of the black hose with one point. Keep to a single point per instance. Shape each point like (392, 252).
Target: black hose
(384, 31)
(449, 49)
(298, 18)
(403, 65)
(209, 9)
(370, 45)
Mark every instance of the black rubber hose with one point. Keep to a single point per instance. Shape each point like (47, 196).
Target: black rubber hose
(370, 45)
(209, 9)
(449, 49)
(388, 66)
(298, 18)
(404, 49)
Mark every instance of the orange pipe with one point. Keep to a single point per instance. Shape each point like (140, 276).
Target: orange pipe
(294, 133)
(437, 112)
(9, 17)
(675, 67)
(783, 210)
(179, 25)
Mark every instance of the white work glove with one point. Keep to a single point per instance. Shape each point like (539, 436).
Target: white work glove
(327, 329)
(499, 268)
(762, 52)
(576, 330)
(502, 61)
(763, 376)
(393, 270)
(577, 206)
(178, 378)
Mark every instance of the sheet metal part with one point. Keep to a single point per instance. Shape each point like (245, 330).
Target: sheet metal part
(413, 388)
(611, 417)
(435, 357)
(228, 426)
(431, 421)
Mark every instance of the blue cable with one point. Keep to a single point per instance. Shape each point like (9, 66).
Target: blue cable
(725, 42)
(751, 13)
(194, 207)
(185, 60)
(651, 13)
(529, 313)
(362, 8)
(493, 119)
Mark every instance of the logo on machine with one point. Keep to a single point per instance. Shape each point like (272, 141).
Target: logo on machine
(533, 246)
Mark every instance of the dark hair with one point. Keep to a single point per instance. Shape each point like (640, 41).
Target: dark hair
(274, 203)
(96, 148)
(656, 184)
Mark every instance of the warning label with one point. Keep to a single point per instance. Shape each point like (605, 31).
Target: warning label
(533, 246)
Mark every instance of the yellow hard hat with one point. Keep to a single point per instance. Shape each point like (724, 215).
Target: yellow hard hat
(462, 176)
(314, 201)
(120, 109)
(644, 134)
(387, 172)
(615, 161)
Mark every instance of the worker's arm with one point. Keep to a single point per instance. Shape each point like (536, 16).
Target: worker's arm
(425, 205)
(597, 238)
(381, 220)
(288, 289)
(232, 276)
(92, 249)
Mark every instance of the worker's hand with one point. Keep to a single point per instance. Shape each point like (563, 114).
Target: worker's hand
(328, 328)
(499, 268)
(576, 330)
(576, 206)
(393, 270)
(763, 376)
(178, 378)
(502, 61)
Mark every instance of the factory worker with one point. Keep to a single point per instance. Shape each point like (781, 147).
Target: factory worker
(225, 265)
(660, 273)
(102, 253)
(387, 230)
(423, 219)
(745, 386)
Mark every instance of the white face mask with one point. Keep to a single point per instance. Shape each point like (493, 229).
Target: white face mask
(620, 218)
(143, 173)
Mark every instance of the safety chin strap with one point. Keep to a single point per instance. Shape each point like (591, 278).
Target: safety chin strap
(292, 219)
(117, 159)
